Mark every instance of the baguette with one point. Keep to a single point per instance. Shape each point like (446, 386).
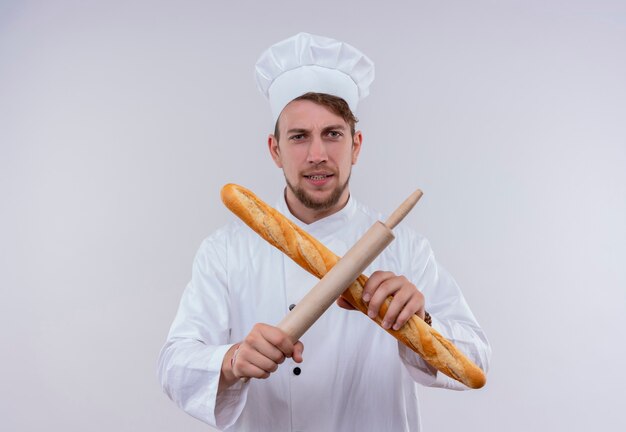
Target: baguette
(314, 257)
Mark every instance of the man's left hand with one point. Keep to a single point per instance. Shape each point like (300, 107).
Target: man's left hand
(407, 300)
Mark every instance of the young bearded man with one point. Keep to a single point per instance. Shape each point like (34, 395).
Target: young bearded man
(355, 376)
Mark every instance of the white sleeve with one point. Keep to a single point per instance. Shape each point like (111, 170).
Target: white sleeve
(451, 316)
(190, 363)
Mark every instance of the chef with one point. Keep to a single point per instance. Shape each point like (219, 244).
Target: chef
(225, 362)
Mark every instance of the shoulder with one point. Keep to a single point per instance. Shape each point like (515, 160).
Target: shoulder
(411, 238)
(408, 244)
(403, 232)
(231, 231)
(366, 213)
(235, 234)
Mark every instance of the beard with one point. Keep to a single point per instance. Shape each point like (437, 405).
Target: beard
(309, 202)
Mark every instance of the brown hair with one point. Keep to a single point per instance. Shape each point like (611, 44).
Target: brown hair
(335, 104)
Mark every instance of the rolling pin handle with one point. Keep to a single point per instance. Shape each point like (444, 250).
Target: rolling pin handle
(399, 214)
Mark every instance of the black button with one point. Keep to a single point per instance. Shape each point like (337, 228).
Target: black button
(291, 306)
(297, 371)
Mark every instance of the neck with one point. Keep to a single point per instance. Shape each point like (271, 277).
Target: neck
(309, 215)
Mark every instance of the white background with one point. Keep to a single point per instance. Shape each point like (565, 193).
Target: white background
(121, 120)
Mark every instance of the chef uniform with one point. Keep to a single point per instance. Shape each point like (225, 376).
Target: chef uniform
(355, 376)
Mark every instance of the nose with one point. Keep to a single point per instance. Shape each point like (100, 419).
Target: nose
(317, 151)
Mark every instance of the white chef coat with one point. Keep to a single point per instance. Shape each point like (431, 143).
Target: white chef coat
(354, 377)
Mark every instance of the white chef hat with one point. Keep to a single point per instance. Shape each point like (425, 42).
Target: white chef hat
(308, 63)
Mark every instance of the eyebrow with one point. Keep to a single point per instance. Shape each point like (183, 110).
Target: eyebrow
(296, 131)
(334, 127)
(326, 129)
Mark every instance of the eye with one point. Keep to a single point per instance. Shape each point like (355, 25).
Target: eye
(297, 137)
(335, 134)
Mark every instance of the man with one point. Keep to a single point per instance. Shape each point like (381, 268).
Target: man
(355, 376)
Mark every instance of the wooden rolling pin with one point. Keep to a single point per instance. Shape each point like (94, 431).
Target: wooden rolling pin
(344, 273)
(319, 261)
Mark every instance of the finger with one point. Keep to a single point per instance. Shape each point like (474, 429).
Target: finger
(410, 308)
(268, 350)
(343, 303)
(373, 282)
(384, 290)
(249, 357)
(248, 370)
(257, 340)
(421, 312)
(397, 304)
(280, 340)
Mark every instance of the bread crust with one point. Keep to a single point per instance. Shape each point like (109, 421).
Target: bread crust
(314, 257)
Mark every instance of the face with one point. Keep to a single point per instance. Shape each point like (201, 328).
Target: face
(316, 152)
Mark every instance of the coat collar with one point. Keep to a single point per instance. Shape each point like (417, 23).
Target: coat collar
(325, 226)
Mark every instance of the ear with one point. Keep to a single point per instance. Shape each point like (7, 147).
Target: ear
(357, 140)
(272, 145)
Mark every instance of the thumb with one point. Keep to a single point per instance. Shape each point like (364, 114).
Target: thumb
(298, 349)
(342, 303)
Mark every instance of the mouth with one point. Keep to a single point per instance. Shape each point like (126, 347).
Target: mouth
(318, 178)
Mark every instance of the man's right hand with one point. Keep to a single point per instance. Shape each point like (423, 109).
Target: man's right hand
(258, 355)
